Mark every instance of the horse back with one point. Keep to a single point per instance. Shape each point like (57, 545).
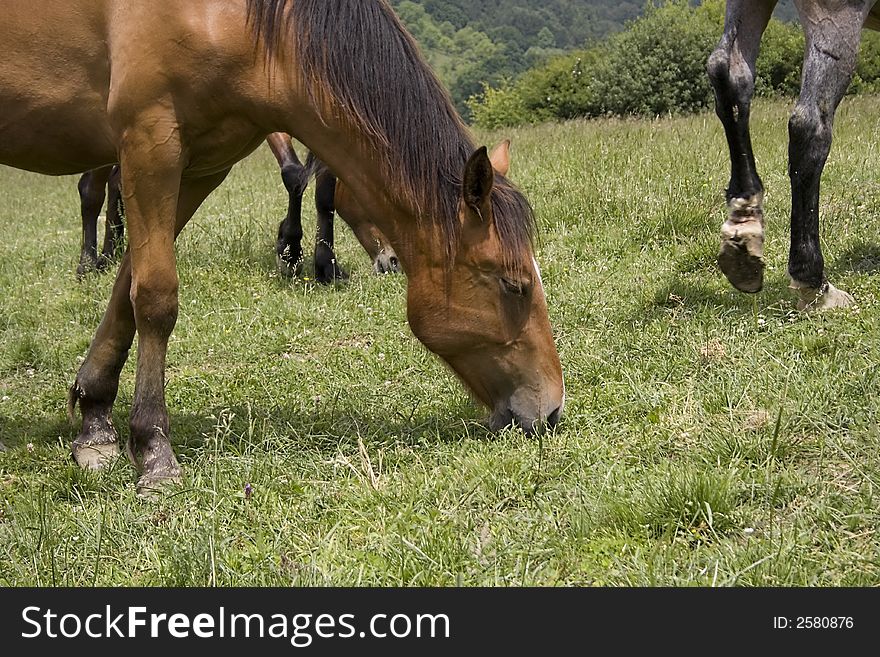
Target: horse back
(75, 75)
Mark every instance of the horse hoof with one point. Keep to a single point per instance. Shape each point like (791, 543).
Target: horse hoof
(152, 486)
(83, 269)
(741, 257)
(331, 273)
(286, 268)
(93, 454)
(826, 297)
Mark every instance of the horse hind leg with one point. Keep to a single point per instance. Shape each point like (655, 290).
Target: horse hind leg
(833, 32)
(91, 195)
(327, 269)
(114, 229)
(731, 70)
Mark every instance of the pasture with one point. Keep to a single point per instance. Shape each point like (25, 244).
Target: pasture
(709, 437)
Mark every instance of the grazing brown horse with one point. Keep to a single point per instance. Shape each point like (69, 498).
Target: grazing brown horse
(288, 248)
(833, 31)
(179, 92)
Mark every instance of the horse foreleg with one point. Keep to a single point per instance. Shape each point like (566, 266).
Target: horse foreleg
(327, 270)
(832, 31)
(154, 298)
(91, 196)
(731, 69)
(114, 228)
(288, 246)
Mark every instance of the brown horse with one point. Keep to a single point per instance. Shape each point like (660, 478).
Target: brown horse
(103, 182)
(833, 31)
(179, 92)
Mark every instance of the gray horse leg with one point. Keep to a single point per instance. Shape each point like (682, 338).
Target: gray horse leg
(731, 69)
(833, 30)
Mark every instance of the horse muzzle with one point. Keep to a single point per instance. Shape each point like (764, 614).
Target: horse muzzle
(530, 423)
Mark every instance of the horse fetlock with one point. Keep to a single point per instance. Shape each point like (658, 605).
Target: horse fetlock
(825, 297)
(741, 256)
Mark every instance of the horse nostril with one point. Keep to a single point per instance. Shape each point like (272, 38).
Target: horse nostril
(554, 417)
(395, 264)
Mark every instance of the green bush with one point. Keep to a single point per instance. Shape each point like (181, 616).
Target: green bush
(779, 62)
(656, 66)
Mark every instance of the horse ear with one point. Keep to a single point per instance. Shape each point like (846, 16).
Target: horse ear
(500, 157)
(478, 180)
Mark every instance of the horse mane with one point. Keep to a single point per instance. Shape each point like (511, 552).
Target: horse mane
(356, 55)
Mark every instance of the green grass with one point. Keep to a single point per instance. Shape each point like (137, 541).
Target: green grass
(710, 438)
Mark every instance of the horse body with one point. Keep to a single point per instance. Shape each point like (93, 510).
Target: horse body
(53, 94)
(833, 31)
(182, 91)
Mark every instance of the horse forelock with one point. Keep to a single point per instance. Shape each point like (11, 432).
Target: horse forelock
(355, 55)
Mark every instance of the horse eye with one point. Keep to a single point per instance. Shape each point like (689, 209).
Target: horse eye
(514, 287)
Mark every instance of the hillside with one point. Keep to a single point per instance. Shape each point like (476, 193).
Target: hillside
(472, 43)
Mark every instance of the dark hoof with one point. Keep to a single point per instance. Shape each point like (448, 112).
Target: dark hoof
(326, 268)
(86, 268)
(105, 262)
(289, 267)
(331, 273)
(159, 470)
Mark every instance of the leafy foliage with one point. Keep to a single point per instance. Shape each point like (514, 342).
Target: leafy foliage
(656, 66)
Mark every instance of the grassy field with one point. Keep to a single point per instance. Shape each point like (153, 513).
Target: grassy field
(710, 438)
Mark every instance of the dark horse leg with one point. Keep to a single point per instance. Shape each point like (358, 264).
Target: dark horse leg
(91, 188)
(114, 229)
(731, 69)
(326, 268)
(833, 31)
(146, 302)
(288, 247)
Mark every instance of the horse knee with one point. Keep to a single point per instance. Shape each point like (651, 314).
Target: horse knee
(154, 299)
(295, 178)
(731, 78)
(718, 66)
(809, 132)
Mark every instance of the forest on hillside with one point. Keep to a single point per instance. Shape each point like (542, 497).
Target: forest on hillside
(472, 44)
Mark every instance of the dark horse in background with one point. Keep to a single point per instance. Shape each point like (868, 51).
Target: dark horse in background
(833, 32)
(178, 92)
(96, 185)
